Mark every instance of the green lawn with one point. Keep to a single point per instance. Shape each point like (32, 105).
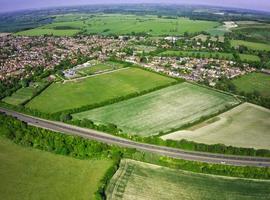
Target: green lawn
(137, 180)
(30, 174)
(118, 24)
(161, 110)
(24, 94)
(247, 126)
(253, 82)
(251, 45)
(93, 90)
(219, 55)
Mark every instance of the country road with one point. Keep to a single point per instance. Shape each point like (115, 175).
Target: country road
(166, 151)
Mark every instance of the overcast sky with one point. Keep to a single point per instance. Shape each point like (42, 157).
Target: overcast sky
(11, 5)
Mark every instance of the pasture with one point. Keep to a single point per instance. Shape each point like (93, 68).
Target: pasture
(138, 180)
(202, 54)
(24, 94)
(27, 173)
(107, 24)
(247, 126)
(162, 110)
(97, 89)
(249, 83)
(251, 45)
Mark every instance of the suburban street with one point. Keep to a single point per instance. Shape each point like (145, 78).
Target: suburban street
(113, 140)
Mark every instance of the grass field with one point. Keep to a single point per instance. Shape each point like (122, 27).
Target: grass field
(137, 180)
(219, 55)
(24, 94)
(47, 31)
(118, 24)
(161, 110)
(98, 89)
(102, 67)
(253, 82)
(27, 173)
(251, 45)
(247, 125)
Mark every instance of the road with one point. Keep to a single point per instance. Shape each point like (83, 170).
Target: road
(113, 140)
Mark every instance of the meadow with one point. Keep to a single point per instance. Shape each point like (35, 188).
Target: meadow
(218, 55)
(24, 94)
(107, 24)
(248, 127)
(27, 173)
(251, 45)
(249, 83)
(97, 89)
(162, 110)
(137, 180)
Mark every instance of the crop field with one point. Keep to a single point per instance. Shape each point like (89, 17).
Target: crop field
(247, 126)
(24, 94)
(137, 180)
(27, 173)
(97, 89)
(118, 24)
(162, 110)
(249, 83)
(251, 45)
(101, 67)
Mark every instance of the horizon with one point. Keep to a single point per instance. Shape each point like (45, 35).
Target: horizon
(8, 5)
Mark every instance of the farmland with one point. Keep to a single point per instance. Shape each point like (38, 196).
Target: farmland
(106, 24)
(161, 110)
(251, 45)
(24, 94)
(27, 173)
(248, 126)
(75, 94)
(220, 55)
(253, 82)
(137, 180)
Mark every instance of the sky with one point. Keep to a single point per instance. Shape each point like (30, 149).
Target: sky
(13, 5)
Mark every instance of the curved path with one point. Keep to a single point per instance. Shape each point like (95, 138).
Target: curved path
(166, 151)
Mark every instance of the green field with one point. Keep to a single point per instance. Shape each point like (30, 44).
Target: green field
(27, 173)
(251, 45)
(247, 126)
(102, 67)
(46, 31)
(118, 24)
(24, 94)
(137, 180)
(161, 110)
(254, 32)
(201, 54)
(249, 83)
(98, 89)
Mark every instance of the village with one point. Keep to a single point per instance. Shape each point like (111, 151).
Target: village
(19, 53)
(194, 69)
